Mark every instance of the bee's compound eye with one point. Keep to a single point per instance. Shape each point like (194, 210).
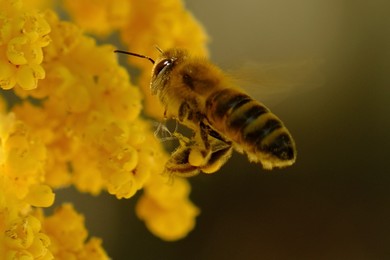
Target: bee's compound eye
(161, 65)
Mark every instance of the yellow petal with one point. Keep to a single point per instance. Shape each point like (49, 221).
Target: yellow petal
(14, 53)
(7, 80)
(40, 196)
(26, 78)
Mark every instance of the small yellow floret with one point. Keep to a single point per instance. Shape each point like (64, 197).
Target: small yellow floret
(68, 236)
(168, 224)
(100, 17)
(23, 34)
(40, 196)
(166, 210)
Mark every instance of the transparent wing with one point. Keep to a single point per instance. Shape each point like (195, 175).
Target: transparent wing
(271, 83)
(165, 131)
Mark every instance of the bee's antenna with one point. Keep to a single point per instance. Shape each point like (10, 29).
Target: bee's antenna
(135, 54)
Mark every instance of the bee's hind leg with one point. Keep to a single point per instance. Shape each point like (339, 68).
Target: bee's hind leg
(206, 151)
(178, 164)
(186, 160)
(212, 152)
(220, 153)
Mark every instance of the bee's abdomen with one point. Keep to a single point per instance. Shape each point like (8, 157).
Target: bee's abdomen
(252, 126)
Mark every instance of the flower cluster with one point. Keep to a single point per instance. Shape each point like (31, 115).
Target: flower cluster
(77, 122)
(68, 235)
(22, 38)
(142, 25)
(164, 206)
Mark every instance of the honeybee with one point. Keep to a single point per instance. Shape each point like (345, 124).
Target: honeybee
(200, 96)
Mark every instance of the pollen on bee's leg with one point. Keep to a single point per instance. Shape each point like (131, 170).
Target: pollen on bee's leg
(198, 157)
(217, 160)
(178, 164)
(208, 169)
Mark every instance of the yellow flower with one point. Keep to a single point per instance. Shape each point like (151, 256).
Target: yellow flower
(147, 23)
(86, 116)
(166, 24)
(68, 235)
(23, 238)
(166, 210)
(100, 17)
(23, 34)
(40, 195)
(78, 122)
(22, 159)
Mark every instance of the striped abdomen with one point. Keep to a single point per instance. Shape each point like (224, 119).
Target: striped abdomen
(252, 127)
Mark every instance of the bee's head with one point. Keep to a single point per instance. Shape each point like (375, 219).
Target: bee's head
(162, 66)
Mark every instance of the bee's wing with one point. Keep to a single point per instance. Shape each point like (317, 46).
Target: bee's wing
(271, 83)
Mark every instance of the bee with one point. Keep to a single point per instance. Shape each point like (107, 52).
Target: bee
(223, 117)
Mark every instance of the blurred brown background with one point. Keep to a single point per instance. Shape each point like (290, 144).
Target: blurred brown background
(335, 202)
